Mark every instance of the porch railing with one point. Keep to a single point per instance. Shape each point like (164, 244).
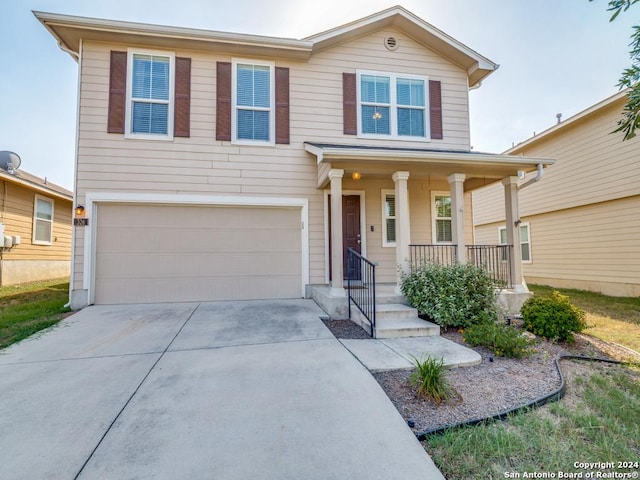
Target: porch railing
(495, 259)
(439, 254)
(361, 286)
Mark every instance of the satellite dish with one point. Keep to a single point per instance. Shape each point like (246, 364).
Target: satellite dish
(9, 161)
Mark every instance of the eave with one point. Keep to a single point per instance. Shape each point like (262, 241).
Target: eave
(69, 30)
(58, 192)
(477, 66)
(480, 168)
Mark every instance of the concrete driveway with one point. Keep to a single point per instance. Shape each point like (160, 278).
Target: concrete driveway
(229, 390)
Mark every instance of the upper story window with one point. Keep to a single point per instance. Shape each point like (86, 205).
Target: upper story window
(391, 105)
(42, 221)
(253, 102)
(150, 98)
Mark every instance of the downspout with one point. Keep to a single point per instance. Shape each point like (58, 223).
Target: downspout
(535, 179)
(73, 54)
(4, 208)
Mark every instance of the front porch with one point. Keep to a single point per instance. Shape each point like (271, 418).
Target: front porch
(399, 207)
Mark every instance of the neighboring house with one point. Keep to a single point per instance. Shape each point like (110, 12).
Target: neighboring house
(222, 166)
(581, 222)
(35, 228)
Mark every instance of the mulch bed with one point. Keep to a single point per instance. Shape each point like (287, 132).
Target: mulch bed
(495, 385)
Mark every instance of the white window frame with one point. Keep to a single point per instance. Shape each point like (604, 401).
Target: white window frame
(272, 99)
(393, 106)
(35, 241)
(434, 217)
(128, 123)
(383, 196)
(522, 225)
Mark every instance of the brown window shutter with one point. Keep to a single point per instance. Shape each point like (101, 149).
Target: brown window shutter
(282, 105)
(223, 101)
(117, 92)
(182, 107)
(435, 109)
(349, 104)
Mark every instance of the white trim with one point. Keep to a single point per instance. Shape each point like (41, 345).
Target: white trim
(393, 106)
(434, 217)
(128, 101)
(35, 220)
(93, 199)
(272, 100)
(383, 200)
(528, 242)
(363, 226)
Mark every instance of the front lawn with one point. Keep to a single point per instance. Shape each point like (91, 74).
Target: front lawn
(597, 421)
(28, 308)
(612, 319)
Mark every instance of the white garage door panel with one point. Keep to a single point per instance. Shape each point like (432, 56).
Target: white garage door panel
(154, 253)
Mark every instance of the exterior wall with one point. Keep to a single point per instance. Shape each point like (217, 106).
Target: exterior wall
(28, 262)
(201, 165)
(419, 212)
(583, 214)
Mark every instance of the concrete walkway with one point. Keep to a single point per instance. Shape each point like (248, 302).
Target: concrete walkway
(200, 391)
(399, 353)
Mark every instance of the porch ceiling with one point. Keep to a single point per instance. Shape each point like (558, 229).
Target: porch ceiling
(480, 169)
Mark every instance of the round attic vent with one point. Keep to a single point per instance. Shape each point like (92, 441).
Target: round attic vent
(391, 43)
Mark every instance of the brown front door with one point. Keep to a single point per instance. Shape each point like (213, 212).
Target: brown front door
(351, 236)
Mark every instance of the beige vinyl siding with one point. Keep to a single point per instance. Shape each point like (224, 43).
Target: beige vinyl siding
(18, 220)
(420, 218)
(595, 247)
(583, 214)
(592, 165)
(201, 165)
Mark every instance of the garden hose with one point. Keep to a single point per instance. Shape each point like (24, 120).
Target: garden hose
(539, 402)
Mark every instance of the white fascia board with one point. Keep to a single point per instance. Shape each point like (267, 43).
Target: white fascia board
(328, 153)
(51, 20)
(569, 121)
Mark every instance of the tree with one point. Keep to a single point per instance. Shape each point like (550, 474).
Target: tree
(630, 76)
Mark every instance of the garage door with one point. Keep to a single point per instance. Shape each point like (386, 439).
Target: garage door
(169, 253)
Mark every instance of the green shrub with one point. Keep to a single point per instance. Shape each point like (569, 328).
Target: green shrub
(457, 295)
(429, 378)
(502, 340)
(553, 317)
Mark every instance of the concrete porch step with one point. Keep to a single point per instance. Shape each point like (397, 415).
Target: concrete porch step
(396, 321)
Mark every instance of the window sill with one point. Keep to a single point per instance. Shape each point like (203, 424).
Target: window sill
(253, 143)
(46, 244)
(143, 136)
(389, 245)
(394, 137)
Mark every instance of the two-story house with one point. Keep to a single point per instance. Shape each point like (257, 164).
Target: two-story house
(222, 166)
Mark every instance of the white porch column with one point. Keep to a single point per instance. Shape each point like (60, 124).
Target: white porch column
(337, 275)
(403, 229)
(456, 187)
(512, 216)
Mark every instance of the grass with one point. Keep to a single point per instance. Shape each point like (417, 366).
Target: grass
(601, 422)
(28, 308)
(613, 319)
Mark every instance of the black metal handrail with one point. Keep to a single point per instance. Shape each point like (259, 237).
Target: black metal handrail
(495, 259)
(438, 254)
(361, 286)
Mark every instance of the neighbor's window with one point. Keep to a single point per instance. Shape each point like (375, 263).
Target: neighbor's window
(525, 242)
(42, 221)
(253, 98)
(388, 218)
(150, 94)
(392, 105)
(441, 209)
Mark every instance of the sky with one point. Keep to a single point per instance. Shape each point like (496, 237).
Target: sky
(555, 56)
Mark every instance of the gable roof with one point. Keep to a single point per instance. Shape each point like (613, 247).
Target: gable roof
(68, 30)
(476, 66)
(585, 114)
(40, 185)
